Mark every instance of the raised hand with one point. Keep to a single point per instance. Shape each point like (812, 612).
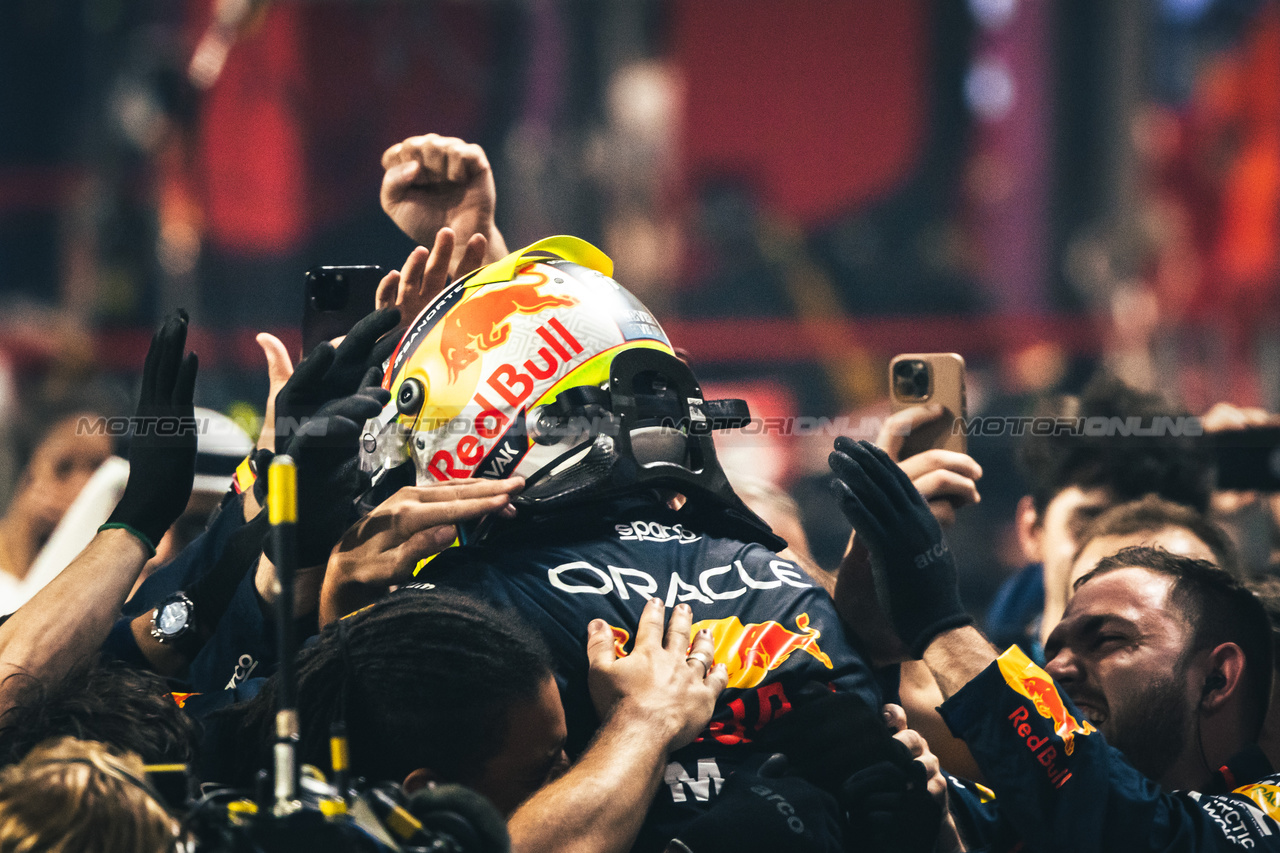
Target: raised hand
(432, 182)
(162, 453)
(913, 569)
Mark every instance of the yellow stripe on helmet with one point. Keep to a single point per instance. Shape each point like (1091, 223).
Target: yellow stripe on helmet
(562, 246)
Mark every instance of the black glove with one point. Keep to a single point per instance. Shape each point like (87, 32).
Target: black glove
(915, 574)
(890, 809)
(841, 744)
(762, 809)
(328, 374)
(162, 452)
(829, 736)
(329, 477)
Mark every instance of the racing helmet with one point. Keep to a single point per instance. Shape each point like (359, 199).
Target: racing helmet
(541, 365)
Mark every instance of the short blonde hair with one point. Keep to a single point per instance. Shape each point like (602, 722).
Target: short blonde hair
(73, 796)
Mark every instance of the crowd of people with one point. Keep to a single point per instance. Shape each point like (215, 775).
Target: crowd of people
(513, 601)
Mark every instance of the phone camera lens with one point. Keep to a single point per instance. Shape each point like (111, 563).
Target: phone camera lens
(911, 379)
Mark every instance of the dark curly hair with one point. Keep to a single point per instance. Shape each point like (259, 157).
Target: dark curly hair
(126, 708)
(423, 678)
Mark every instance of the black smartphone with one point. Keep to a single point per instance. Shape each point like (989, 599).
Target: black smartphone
(1247, 459)
(335, 299)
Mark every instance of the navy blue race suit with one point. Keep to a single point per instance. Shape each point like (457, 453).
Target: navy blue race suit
(775, 629)
(1058, 786)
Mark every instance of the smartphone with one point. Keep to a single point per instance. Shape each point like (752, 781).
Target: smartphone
(1246, 459)
(335, 299)
(916, 379)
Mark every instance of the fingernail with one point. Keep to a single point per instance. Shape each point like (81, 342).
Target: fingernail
(657, 602)
(444, 536)
(595, 625)
(683, 608)
(886, 716)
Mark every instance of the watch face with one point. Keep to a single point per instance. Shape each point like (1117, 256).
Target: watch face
(172, 618)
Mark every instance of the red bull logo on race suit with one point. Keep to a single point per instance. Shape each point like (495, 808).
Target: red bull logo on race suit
(1031, 681)
(750, 651)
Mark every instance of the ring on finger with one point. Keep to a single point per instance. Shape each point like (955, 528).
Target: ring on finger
(702, 658)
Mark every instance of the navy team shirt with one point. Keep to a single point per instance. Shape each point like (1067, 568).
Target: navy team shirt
(774, 628)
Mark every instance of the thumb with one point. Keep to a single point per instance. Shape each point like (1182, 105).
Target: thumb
(279, 369)
(279, 364)
(397, 180)
(600, 650)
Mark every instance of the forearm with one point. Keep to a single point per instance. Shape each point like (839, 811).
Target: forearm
(211, 581)
(949, 840)
(955, 657)
(859, 609)
(66, 622)
(1060, 787)
(601, 802)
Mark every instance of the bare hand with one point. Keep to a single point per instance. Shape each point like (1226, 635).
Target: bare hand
(1223, 417)
(382, 549)
(896, 718)
(436, 181)
(425, 274)
(665, 683)
(948, 480)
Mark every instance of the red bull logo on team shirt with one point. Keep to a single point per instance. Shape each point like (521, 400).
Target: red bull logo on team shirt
(752, 650)
(1031, 681)
(482, 322)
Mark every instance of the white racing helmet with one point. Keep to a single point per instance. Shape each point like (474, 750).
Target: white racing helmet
(541, 365)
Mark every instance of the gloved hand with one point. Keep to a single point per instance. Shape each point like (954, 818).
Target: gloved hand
(890, 809)
(915, 573)
(327, 374)
(843, 745)
(828, 737)
(329, 478)
(762, 809)
(162, 452)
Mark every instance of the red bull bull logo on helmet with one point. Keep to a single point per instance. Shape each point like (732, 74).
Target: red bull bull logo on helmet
(482, 322)
(1031, 681)
(751, 650)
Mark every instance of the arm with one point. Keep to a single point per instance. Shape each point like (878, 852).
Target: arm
(654, 701)
(210, 591)
(67, 621)
(1062, 788)
(956, 657)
